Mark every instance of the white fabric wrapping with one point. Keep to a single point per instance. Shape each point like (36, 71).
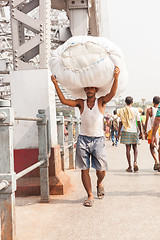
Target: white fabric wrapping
(85, 61)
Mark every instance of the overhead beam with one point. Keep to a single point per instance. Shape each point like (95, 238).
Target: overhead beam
(78, 13)
(29, 21)
(30, 6)
(16, 3)
(59, 4)
(32, 43)
(94, 18)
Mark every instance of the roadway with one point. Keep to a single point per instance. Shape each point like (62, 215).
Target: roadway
(129, 211)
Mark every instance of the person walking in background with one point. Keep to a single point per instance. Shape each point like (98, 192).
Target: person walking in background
(150, 116)
(155, 142)
(114, 128)
(129, 136)
(143, 120)
(107, 127)
(142, 125)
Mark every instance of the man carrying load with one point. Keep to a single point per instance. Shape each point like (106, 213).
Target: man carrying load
(91, 140)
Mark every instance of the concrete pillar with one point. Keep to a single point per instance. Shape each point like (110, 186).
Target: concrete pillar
(78, 15)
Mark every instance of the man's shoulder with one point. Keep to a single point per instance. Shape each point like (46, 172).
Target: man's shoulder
(149, 109)
(100, 100)
(80, 100)
(134, 109)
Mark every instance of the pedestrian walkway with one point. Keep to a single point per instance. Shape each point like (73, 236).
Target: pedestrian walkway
(129, 211)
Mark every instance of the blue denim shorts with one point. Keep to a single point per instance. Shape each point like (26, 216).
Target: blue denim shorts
(91, 150)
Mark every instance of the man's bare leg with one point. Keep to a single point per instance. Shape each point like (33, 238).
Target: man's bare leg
(100, 177)
(86, 180)
(159, 156)
(128, 155)
(159, 152)
(153, 153)
(100, 188)
(135, 151)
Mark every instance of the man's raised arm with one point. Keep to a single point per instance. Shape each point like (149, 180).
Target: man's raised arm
(110, 95)
(146, 122)
(69, 102)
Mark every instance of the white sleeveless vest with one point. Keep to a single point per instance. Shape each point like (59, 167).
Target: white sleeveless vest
(151, 120)
(91, 121)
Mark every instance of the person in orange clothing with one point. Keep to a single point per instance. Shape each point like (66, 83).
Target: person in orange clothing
(156, 125)
(150, 117)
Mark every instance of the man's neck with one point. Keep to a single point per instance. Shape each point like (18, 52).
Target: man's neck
(129, 105)
(91, 102)
(155, 105)
(91, 99)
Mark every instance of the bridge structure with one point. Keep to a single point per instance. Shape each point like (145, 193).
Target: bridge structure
(32, 30)
(37, 28)
(29, 30)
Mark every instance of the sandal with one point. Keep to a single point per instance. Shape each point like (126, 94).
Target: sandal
(156, 166)
(100, 192)
(88, 202)
(129, 169)
(135, 167)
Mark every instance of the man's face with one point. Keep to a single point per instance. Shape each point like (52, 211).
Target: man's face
(90, 91)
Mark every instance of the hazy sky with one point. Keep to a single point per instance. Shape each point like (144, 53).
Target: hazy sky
(134, 26)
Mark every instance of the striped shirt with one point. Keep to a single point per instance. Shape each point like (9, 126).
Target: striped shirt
(158, 111)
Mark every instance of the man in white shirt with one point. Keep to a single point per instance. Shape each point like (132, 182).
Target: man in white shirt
(156, 125)
(130, 117)
(150, 117)
(91, 141)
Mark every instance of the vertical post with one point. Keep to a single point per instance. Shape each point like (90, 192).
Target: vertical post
(7, 195)
(44, 171)
(60, 126)
(71, 142)
(77, 127)
(78, 15)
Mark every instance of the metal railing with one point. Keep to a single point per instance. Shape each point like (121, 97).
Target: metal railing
(8, 177)
(73, 125)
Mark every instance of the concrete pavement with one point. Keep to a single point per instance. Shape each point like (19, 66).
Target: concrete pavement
(129, 211)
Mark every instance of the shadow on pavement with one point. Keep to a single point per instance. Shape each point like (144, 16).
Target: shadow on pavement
(135, 174)
(143, 193)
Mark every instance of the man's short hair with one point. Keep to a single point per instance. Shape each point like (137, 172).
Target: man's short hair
(156, 100)
(115, 112)
(128, 100)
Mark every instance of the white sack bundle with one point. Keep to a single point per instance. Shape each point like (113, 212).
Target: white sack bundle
(85, 61)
